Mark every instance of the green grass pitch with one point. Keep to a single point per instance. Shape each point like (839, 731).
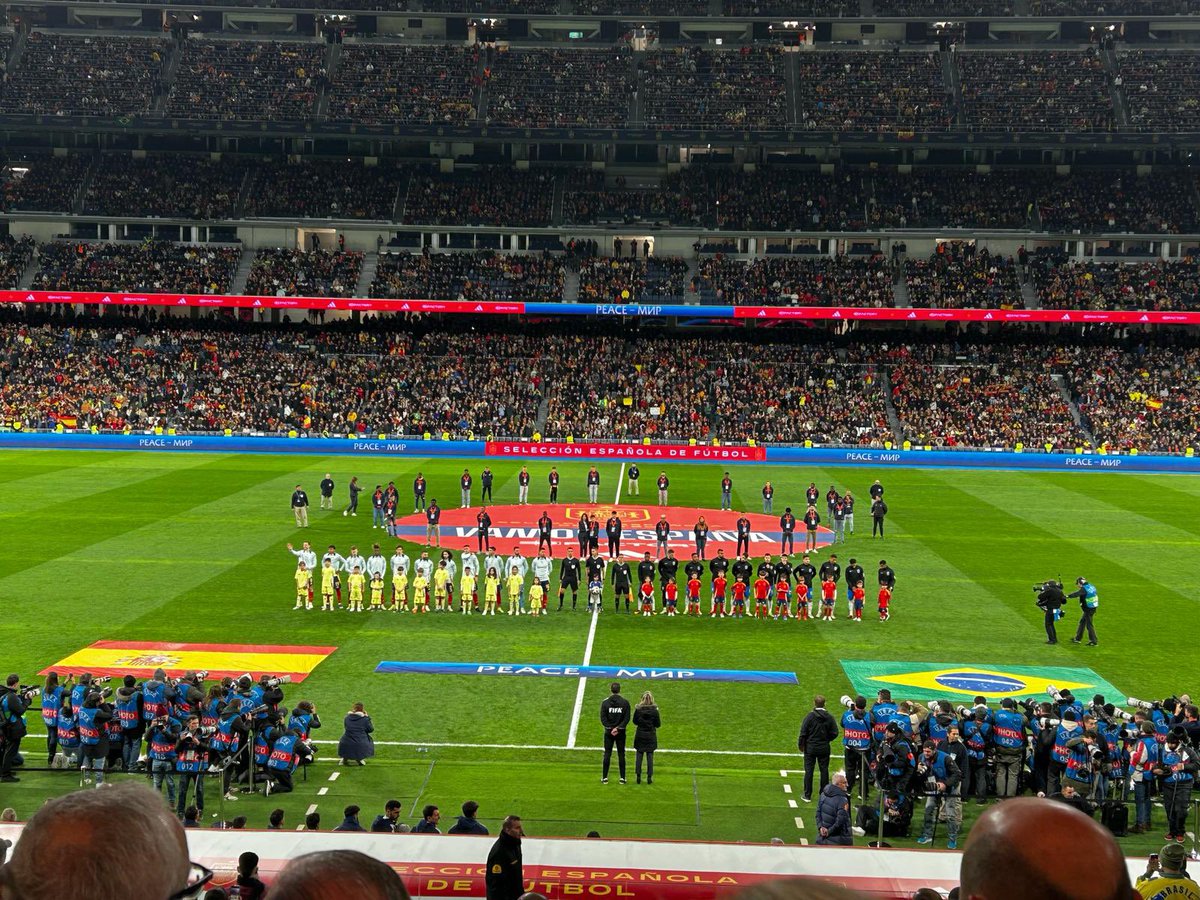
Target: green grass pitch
(191, 547)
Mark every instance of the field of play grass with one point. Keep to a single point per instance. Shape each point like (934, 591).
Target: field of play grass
(191, 547)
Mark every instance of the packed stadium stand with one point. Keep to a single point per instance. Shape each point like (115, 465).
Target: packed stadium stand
(637, 161)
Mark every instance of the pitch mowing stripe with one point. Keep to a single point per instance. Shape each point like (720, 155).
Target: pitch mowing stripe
(98, 528)
(87, 482)
(76, 583)
(1087, 559)
(1063, 506)
(1171, 505)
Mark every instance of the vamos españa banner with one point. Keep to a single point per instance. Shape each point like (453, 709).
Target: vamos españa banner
(633, 452)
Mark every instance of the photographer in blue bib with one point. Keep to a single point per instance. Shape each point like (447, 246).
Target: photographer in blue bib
(1089, 601)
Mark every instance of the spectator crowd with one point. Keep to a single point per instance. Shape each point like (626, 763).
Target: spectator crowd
(405, 377)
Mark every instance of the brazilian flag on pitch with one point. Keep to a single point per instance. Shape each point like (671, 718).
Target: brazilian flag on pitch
(920, 680)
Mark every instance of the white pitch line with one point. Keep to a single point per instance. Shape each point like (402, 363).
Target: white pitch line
(803, 842)
(587, 661)
(799, 822)
(577, 711)
(787, 788)
(322, 792)
(334, 775)
(300, 827)
(792, 804)
(682, 752)
(783, 773)
(312, 809)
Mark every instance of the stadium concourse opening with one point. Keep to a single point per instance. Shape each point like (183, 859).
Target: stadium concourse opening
(515, 528)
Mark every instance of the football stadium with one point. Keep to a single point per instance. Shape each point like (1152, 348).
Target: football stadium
(663, 449)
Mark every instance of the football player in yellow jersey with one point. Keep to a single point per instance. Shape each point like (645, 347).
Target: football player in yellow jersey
(466, 587)
(536, 596)
(491, 592)
(400, 590)
(441, 581)
(420, 594)
(377, 592)
(357, 581)
(329, 585)
(515, 583)
(303, 584)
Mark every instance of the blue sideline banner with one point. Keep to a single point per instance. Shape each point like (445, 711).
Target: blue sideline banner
(416, 448)
(651, 673)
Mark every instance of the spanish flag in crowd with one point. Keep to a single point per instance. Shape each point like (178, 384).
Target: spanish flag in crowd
(210, 346)
(66, 421)
(1154, 404)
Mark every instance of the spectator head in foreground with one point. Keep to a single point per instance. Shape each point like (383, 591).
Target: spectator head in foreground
(797, 889)
(1017, 849)
(337, 875)
(66, 849)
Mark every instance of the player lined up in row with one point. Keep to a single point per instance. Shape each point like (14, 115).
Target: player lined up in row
(384, 502)
(734, 585)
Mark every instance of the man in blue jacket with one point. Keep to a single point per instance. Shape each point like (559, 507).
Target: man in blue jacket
(833, 813)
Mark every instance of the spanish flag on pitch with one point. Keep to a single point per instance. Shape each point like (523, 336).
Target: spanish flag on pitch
(141, 658)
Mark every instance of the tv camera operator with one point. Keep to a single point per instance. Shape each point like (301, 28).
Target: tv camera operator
(1050, 599)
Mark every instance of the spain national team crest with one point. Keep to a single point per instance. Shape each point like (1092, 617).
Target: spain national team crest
(515, 527)
(923, 680)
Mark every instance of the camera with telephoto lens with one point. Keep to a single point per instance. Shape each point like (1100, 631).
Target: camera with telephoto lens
(965, 712)
(1055, 694)
(28, 692)
(103, 679)
(276, 680)
(1047, 585)
(846, 701)
(202, 675)
(205, 731)
(1147, 705)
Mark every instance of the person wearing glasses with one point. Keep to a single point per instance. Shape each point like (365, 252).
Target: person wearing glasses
(40, 871)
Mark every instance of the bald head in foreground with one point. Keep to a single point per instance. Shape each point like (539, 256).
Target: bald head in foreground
(1032, 849)
(338, 875)
(66, 851)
